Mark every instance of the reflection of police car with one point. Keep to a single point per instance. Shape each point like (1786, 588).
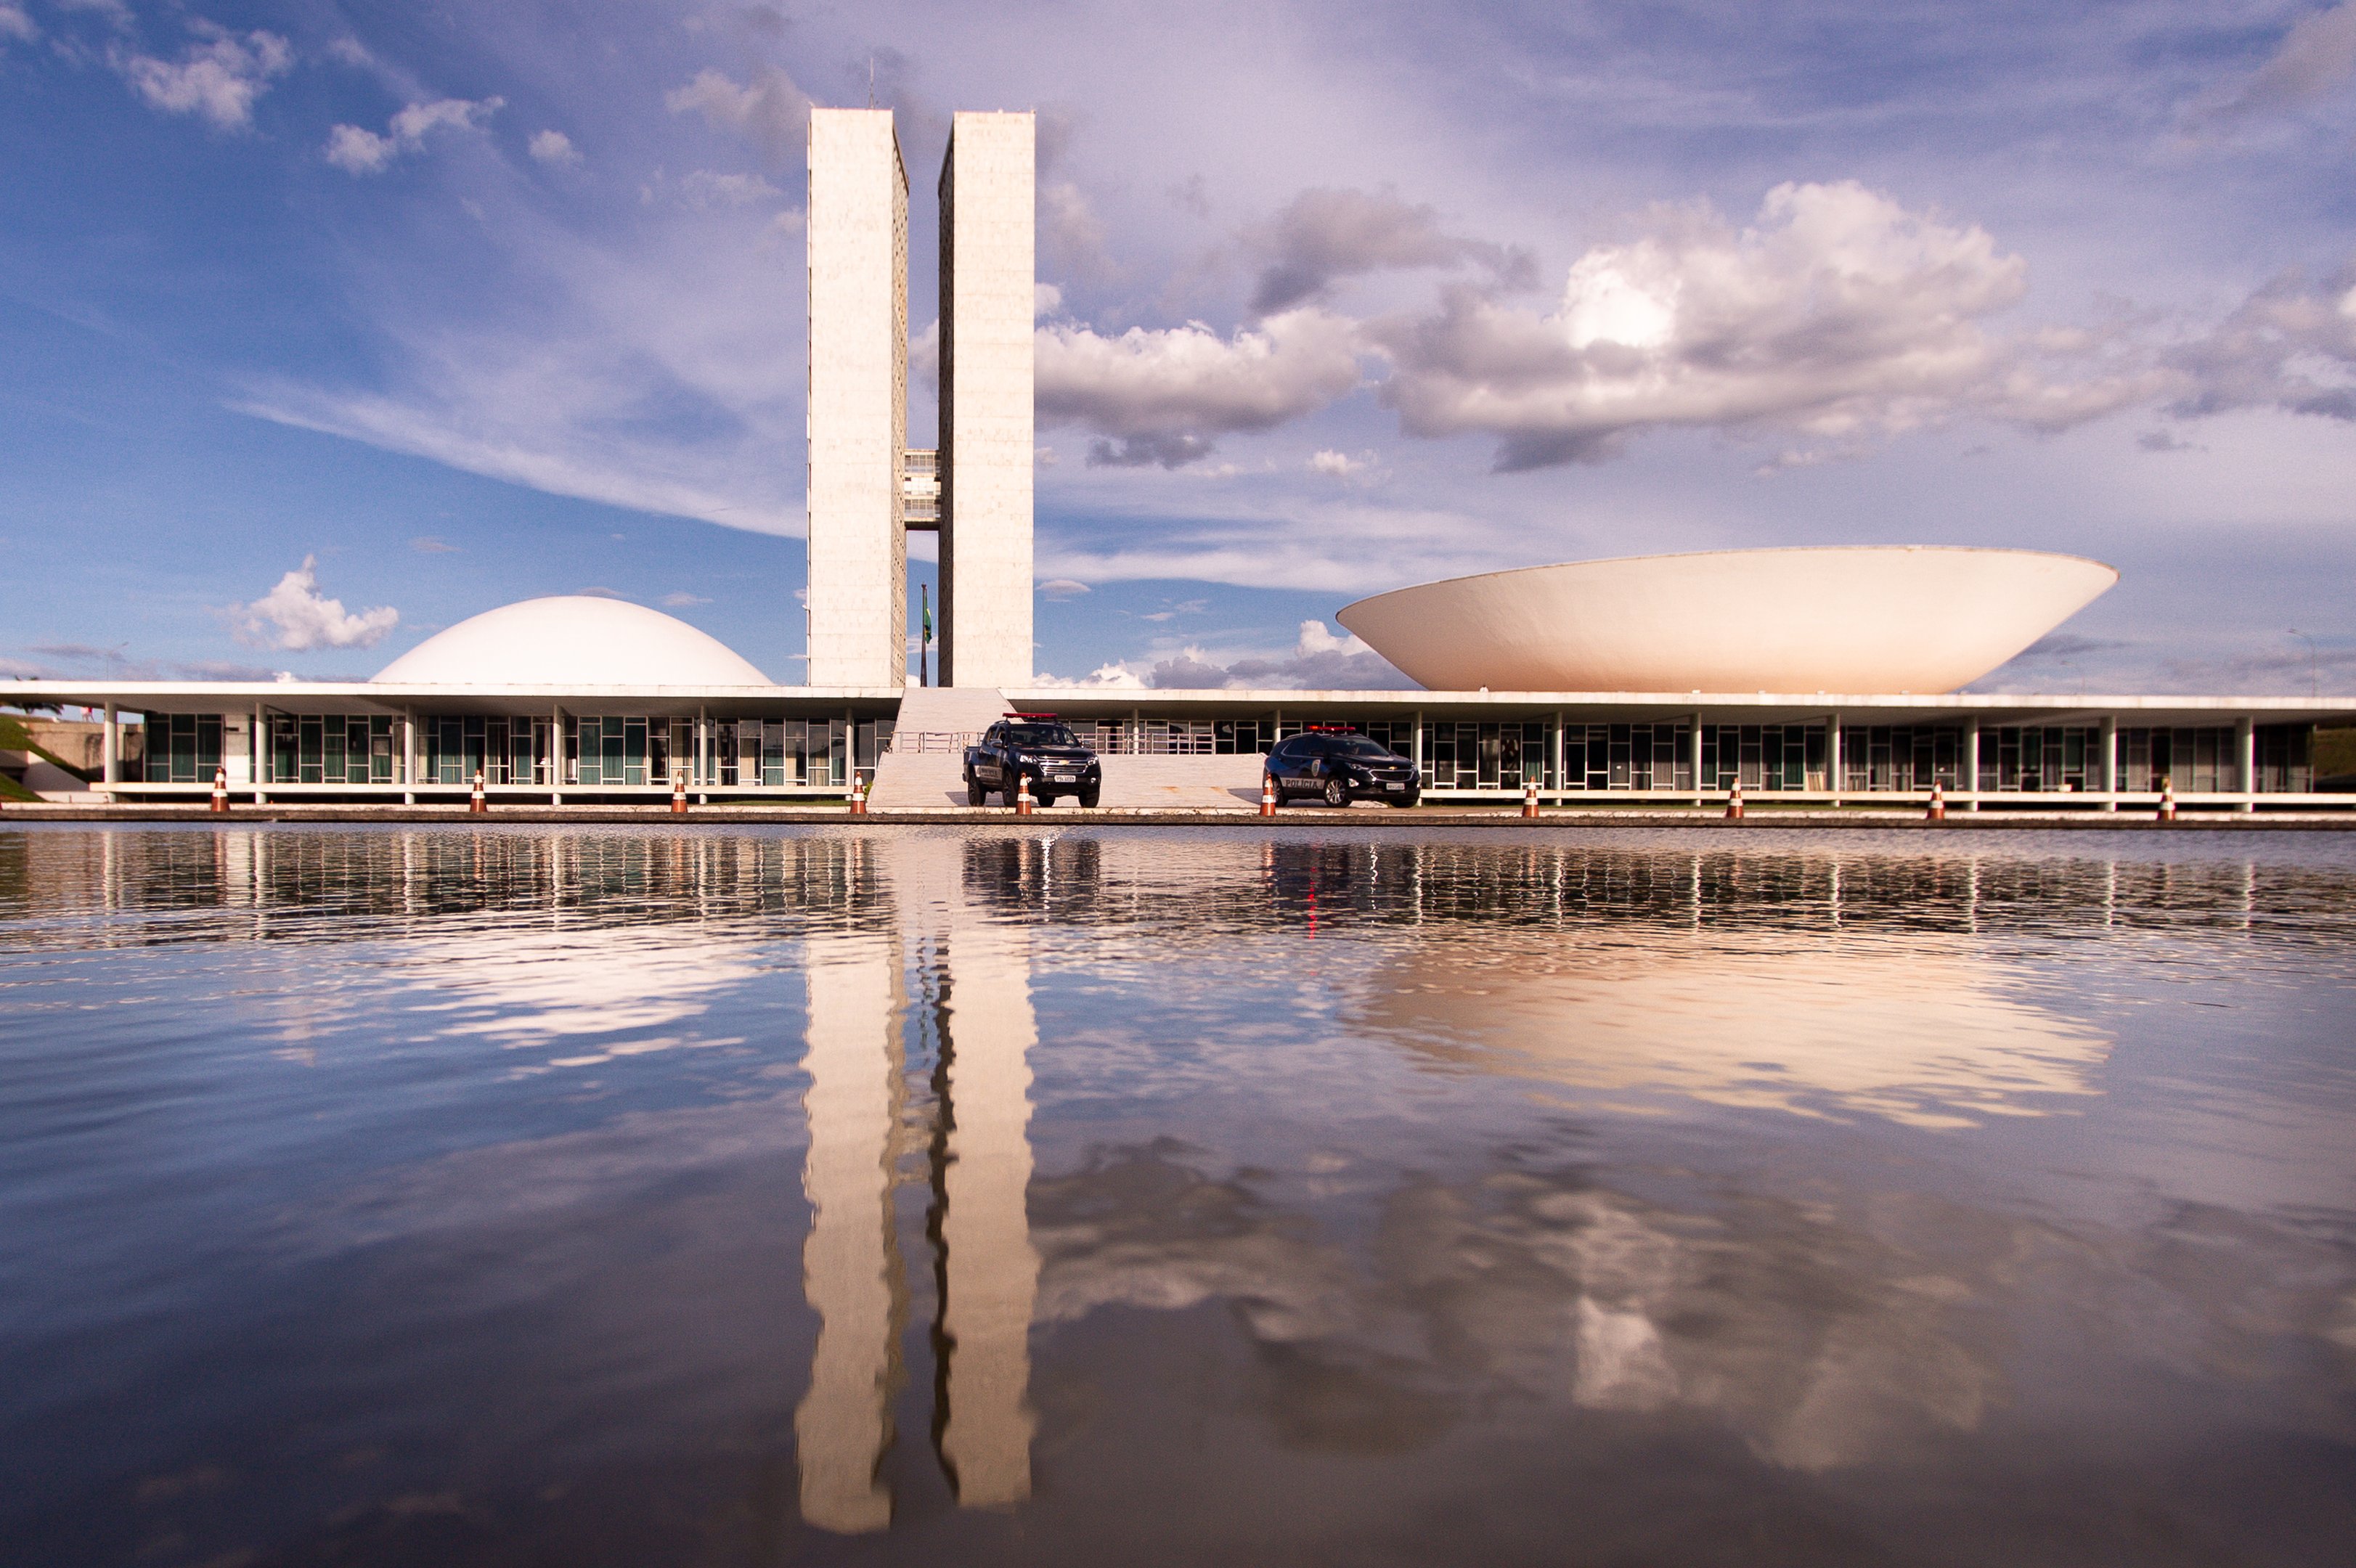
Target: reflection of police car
(1338, 768)
(1036, 747)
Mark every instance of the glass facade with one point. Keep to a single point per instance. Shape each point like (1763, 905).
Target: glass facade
(182, 748)
(639, 751)
(1628, 756)
(1900, 757)
(1763, 756)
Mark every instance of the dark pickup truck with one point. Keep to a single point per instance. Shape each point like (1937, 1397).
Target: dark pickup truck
(1035, 746)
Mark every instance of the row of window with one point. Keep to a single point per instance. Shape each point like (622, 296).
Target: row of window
(820, 753)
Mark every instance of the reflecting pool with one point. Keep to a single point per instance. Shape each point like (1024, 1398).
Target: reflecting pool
(1349, 1195)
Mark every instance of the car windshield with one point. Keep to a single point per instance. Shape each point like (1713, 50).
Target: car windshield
(1039, 735)
(1359, 746)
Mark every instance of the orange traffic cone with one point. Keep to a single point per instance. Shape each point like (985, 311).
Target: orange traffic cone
(2168, 800)
(1734, 803)
(220, 788)
(678, 792)
(1024, 804)
(1268, 795)
(858, 795)
(1938, 812)
(476, 804)
(1529, 798)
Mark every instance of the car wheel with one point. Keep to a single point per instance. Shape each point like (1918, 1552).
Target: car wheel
(1408, 799)
(974, 794)
(1011, 787)
(1089, 797)
(1336, 793)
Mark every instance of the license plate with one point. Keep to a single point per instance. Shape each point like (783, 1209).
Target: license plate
(1068, 778)
(1395, 786)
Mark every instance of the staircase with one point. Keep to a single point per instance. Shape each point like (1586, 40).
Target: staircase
(926, 766)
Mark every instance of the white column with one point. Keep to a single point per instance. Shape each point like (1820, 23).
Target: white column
(843, 1422)
(1693, 756)
(556, 756)
(856, 231)
(1556, 771)
(261, 748)
(2110, 743)
(1972, 762)
(1833, 769)
(2245, 746)
(1419, 748)
(988, 204)
(110, 748)
(408, 756)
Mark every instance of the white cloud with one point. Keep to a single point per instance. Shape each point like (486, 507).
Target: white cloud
(704, 189)
(362, 152)
(682, 600)
(1165, 395)
(2290, 345)
(554, 148)
(217, 79)
(1336, 464)
(1114, 676)
(1324, 236)
(15, 24)
(769, 112)
(1837, 314)
(1063, 588)
(2317, 55)
(1319, 661)
(358, 152)
(295, 616)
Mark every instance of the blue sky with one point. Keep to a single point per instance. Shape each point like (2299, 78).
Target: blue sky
(463, 305)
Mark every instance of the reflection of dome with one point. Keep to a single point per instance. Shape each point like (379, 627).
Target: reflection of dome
(575, 640)
(1862, 619)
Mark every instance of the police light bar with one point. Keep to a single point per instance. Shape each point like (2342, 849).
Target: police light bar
(1032, 716)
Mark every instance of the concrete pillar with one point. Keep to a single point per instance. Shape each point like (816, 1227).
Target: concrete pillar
(989, 301)
(1834, 780)
(2110, 761)
(856, 232)
(1555, 772)
(556, 756)
(1417, 756)
(2246, 749)
(260, 745)
(1693, 756)
(110, 751)
(1972, 762)
(408, 756)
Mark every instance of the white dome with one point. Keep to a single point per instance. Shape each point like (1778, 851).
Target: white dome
(1882, 618)
(575, 640)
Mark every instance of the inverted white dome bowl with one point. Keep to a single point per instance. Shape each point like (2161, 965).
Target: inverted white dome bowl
(572, 640)
(1857, 619)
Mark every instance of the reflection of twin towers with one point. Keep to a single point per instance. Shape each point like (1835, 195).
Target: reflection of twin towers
(976, 985)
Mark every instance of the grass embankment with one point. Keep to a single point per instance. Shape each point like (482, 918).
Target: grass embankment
(15, 737)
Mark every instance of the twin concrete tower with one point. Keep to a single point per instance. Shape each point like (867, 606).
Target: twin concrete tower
(867, 487)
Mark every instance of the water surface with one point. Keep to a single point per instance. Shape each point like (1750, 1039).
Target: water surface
(518, 1196)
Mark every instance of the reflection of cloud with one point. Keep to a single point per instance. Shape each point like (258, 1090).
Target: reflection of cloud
(596, 993)
(1821, 1343)
(1917, 1030)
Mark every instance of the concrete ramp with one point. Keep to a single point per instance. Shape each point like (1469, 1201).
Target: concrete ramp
(926, 766)
(905, 779)
(1182, 783)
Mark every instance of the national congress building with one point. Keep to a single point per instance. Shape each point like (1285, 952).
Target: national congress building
(1665, 679)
